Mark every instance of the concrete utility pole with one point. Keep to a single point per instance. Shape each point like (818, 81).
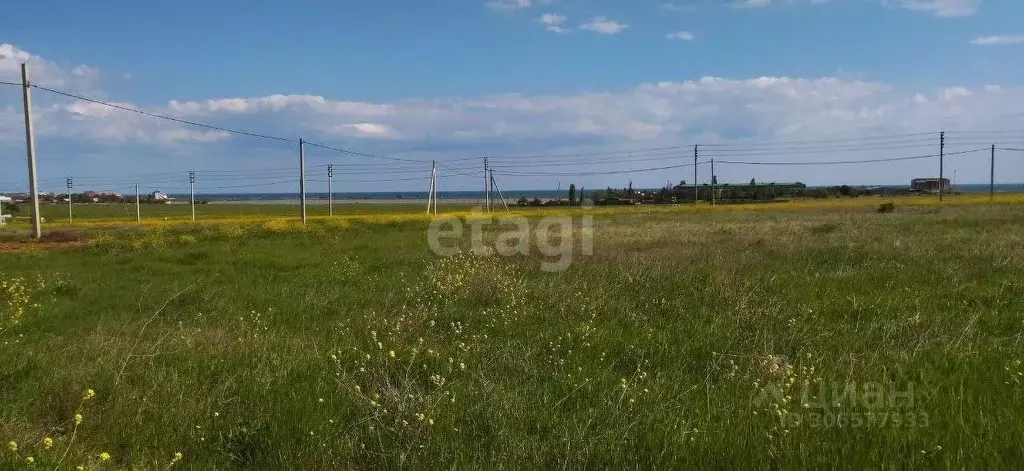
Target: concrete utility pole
(30, 145)
(138, 209)
(494, 185)
(302, 179)
(712, 181)
(192, 193)
(430, 191)
(942, 151)
(487, 189)
(695, 175)
(330, 190)
(433, 189)
(71, 184)
(992, 176)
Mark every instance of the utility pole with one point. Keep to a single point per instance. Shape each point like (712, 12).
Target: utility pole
(302, 179)
(430, 191)
(487, 188)
(495, 186)
(433, 191)
(942, 152)
(30, 145)
(695, 175)
(192, 193)
(712, 181)
(71, 184)
(138, 210)
(330, 190)
(992, 176)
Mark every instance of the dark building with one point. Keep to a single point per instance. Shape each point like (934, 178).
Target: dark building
(929, 184)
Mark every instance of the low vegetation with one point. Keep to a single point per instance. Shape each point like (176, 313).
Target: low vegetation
(748, 337)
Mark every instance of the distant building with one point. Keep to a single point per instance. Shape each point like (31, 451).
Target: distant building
(929, 184)
(158, 196)
(4, 217)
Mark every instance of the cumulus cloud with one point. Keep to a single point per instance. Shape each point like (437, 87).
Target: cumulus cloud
(553, 22)
(708, 109)
(998, 40)
(80, 78)
(714, 107)
(603, 25)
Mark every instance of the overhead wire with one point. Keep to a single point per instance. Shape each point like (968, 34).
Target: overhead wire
(844, 162)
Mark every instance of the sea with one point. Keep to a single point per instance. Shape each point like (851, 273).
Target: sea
(469, 197)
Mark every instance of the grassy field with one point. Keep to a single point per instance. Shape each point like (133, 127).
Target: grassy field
(795, 335)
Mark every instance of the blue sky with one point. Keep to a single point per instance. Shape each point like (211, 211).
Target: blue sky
(537, 79)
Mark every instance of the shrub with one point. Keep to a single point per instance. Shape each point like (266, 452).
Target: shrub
(886, 208)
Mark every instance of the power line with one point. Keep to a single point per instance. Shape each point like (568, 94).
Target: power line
(361, 154)
(612, 172)
(247, 186)
(867, 161)
(455, 171)
(374, 181)
(168, 118)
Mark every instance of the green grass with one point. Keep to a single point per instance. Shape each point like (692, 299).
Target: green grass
(248, 348)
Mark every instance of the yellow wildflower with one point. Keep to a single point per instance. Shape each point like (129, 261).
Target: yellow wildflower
(89, 394)
(47, 443)
(78, 419)
(30, 460)
(12, 445)
(104, 456)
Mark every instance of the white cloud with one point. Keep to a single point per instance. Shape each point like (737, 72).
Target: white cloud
(998, 40)
(718, 108)
(603, 25)
(709, 109)
(372, 130)
(681, 36)
(553, 22)
(43, 72)
(941, 8)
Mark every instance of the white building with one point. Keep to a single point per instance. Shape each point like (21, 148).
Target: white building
(4, 217)
(158, 196)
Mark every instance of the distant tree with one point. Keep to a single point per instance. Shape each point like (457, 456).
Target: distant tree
(630, 187)
(522, 201)
(753, 182)
(572, 194)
